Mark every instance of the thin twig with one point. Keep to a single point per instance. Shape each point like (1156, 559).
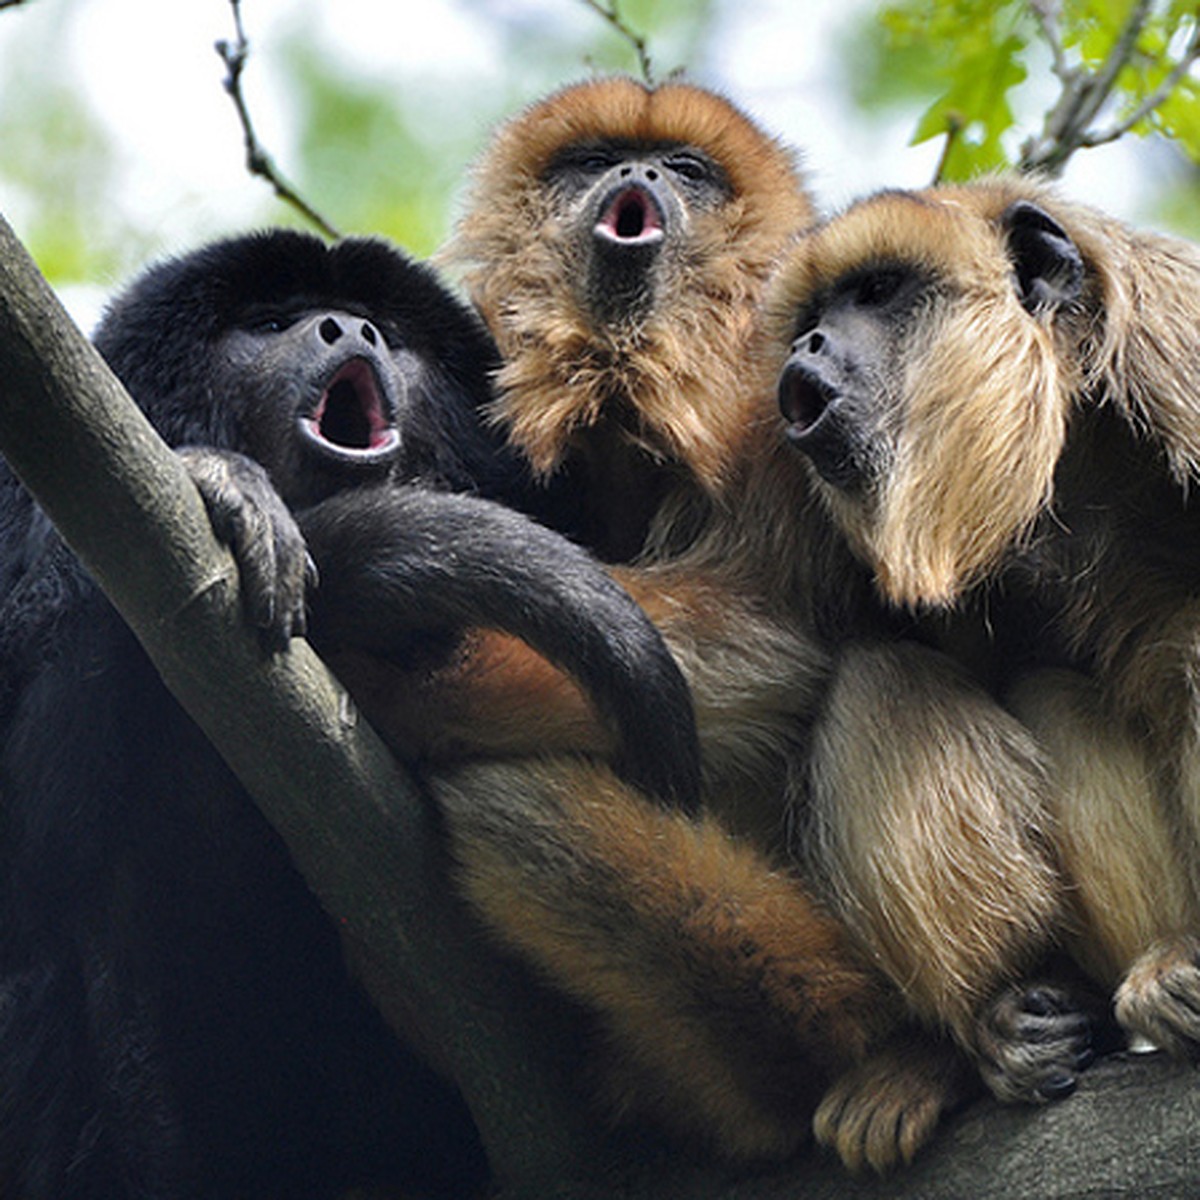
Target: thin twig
(611, 13)
(1156, 97)
(1045, 13)
(1083, 95)
(1106, 78)
(258, 161)
(11, 3)
(954, 127)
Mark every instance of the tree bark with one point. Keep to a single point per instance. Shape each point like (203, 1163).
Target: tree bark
(351, 818)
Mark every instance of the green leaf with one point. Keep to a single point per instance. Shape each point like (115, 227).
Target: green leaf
(975, 110)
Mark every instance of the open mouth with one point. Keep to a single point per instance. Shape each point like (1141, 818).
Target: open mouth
(631, 218)
(353, 418)
(804, 398)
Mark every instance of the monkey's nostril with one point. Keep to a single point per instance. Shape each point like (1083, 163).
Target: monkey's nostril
(652, 174)
(816, 343)
(369, 334)
(329, 330)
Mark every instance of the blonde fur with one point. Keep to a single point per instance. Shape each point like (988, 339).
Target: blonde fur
(1051, 453)
(931, 533)
(655, 923)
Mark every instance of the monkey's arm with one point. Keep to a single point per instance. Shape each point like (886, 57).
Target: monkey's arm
(727, 999)
(753, 678)
(400, 564)
(930, 804)
(248, 515)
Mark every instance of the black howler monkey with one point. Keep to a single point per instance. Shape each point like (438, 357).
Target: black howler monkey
(175, 1016)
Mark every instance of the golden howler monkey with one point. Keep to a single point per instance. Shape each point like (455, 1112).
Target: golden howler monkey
(617, 242)
(998, 390)
(176, 1017)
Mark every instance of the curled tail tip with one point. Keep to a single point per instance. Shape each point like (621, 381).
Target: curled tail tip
(665, 769)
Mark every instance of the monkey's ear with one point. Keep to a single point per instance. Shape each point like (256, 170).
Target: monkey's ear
(1048, 267)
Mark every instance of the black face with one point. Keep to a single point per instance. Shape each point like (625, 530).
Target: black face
(835, 388)
(331, 365)
(628, 205)
(327, 392)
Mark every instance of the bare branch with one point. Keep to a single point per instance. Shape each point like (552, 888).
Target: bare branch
(258, 161)
(1045, 13)
(1173, 79)
(1083, 94)
(612, 14)
(12, 3)
(1118, 58)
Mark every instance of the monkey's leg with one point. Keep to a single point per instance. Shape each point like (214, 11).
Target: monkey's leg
(928, 824)
(729, 999)
(883, 1111)
(1133, 903)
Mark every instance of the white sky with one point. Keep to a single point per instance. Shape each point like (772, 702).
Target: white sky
(150, 72)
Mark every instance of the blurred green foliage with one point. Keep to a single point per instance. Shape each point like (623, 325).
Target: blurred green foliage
(385, 151)
(371, 151)
(977, 60)
(385, 155)
(57, 160)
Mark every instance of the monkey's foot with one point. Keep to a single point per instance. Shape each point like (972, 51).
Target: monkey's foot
(1160, 996)
(1032, 1041)
(880, 1113)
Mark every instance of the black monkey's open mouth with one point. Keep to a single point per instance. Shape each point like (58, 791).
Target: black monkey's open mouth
(353, 418)
(631, 217)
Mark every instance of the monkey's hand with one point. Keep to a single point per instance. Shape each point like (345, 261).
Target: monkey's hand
(1160, 996)
(881, 1112)
(248, 515)
(1032, 1041)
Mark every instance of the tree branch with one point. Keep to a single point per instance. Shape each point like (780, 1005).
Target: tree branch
(351, 819)
(1045, 13)
(1172, 80)
(258, 161)
(1066, 128)
(612, 14)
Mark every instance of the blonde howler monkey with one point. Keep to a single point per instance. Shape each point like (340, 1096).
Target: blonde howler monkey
(618, 241)
(997, 390)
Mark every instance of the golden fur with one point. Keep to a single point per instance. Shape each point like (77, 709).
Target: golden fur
(683, 362)
(1039, 491)
(732, 1000)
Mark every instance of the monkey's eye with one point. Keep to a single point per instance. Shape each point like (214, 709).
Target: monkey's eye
(584, 160)
(596, 161)
(807, 319)
(689, 166)
(878, 287)
(269, 322)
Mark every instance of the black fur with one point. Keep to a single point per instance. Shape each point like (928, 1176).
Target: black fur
(455, 561)
(175, 1016)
